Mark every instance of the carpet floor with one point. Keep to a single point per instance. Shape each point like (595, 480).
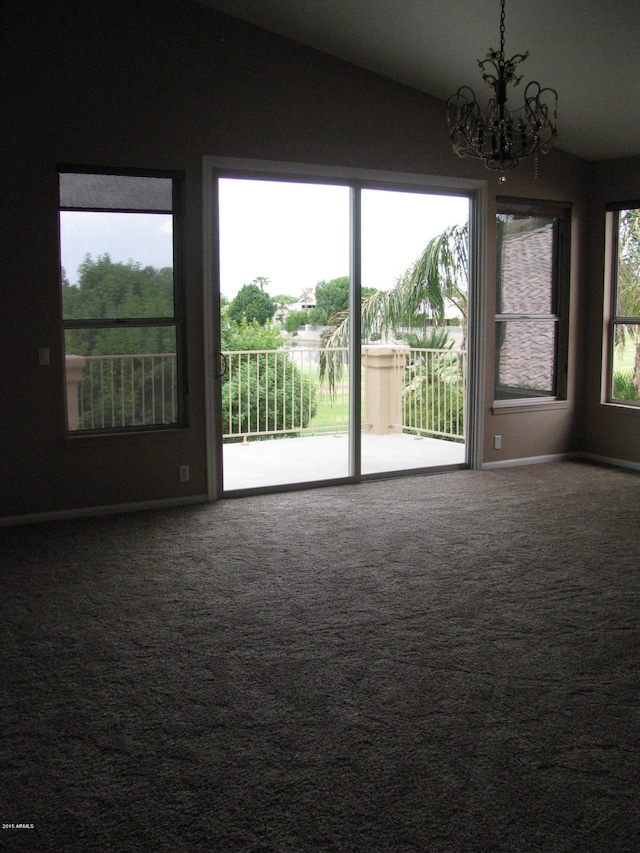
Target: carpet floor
(446, 663)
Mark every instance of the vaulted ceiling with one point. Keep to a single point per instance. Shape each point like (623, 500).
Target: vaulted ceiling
(588, 50)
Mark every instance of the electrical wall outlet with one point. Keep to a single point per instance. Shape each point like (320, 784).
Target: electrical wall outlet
(184, 473)
(44, 359)
(497, 442)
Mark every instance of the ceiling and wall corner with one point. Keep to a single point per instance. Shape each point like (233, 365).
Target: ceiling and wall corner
(585, 49)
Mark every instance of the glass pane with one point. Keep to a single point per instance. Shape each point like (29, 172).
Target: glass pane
(525, 359)
(626, 363)
(121, 377)
(115, 192)
(116, 265)
(413, 367)
(628, 284)
(525, 265)
(284, 273)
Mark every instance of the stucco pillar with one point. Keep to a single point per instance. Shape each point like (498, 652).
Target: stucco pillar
(383, 369)
(74, 367)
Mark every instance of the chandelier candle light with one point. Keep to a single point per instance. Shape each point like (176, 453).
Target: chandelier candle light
(495, 134)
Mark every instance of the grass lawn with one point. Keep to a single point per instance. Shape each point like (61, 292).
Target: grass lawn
(331, 411)
(624, 389)
(623, 359)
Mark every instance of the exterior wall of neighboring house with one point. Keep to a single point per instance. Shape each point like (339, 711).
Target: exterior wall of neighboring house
(526, 355)
(305, 303)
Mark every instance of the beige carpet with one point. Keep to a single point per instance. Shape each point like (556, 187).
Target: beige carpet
(443, 663)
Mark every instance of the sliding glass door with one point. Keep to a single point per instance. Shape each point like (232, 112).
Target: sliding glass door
(414, 330)
(340, 348)
(284, 269)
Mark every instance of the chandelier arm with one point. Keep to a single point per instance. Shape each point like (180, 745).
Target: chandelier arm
(495, 134)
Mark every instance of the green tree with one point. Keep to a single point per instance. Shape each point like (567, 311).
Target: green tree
(628, 292)
(332, 300)
(262, 391)
(249, 336)
(107, 290)
(135, 388)
(252, 303)
(295, 319)
(284, 299)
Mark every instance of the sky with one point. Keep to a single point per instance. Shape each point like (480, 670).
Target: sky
(145, 238)
(298, 234)
(293, 234)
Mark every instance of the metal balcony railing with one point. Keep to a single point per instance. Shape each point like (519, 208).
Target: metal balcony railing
(434, 392)
(281, 392)
(269, 393)
(116, 391)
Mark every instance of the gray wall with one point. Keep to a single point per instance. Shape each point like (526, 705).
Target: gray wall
(159, 84)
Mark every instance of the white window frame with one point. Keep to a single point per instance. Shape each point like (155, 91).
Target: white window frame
(214, 167)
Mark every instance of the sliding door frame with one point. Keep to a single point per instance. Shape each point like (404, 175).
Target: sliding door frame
(356, 180)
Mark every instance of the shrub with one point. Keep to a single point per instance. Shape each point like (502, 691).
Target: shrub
(259, 397)
(434, 398)
(295, 319)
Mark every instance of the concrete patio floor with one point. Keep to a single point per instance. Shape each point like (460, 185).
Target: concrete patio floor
(312, 458)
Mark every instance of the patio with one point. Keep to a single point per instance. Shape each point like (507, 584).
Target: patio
(412, 402)
(312, 458)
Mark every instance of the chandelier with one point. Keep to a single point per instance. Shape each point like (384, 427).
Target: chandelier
(499, 136)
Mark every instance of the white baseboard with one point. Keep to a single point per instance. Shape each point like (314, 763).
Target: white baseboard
(529, 460)
(607, 460)
(113, 509)
(559, 457)
(87, 512)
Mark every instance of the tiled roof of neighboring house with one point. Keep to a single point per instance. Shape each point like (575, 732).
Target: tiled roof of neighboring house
(526, 347)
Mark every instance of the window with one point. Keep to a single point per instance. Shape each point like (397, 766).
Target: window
(531, 310)
(624, 326)
(121, 313)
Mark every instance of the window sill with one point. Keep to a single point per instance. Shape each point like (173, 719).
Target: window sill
(144, 436)
(632, 409)
(508, 407)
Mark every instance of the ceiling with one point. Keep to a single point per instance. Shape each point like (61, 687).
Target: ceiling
(588, 50)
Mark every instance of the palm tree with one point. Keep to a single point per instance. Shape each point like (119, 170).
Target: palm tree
(262, 281)
(437, 280)
(307, 294)
(441, 274)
